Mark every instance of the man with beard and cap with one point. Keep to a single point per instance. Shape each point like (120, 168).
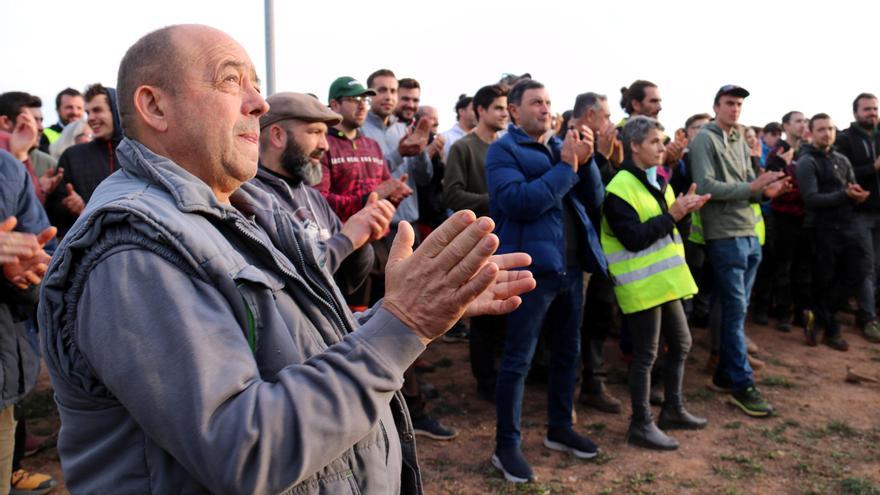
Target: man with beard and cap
(292, 142)
(86, 165)
(195, 342)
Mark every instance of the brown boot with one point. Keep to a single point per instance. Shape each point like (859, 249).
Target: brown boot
(601, 400)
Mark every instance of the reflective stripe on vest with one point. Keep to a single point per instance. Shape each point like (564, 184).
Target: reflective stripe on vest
(655, 275)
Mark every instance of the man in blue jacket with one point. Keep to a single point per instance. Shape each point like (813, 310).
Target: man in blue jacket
(541, 191)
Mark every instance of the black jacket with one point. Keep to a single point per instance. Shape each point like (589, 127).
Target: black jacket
(624, 220)
(822, 179)
(85, 166)
(862, 149)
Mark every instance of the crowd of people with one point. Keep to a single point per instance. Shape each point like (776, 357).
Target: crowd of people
(241, 288)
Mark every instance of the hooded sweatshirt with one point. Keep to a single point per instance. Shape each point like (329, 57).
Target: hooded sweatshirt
(85, 166)
(722, 166)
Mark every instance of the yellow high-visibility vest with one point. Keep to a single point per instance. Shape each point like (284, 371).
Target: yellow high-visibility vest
(656, 274)
(696, 235)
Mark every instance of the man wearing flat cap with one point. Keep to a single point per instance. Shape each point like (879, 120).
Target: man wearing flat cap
(195, 342)
(292, 141)
(721, 164)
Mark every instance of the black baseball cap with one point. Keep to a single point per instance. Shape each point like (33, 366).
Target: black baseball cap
(732, 90)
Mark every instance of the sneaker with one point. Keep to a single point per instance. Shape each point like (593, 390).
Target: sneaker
(428, 426)
(602, 401)
(457, 335)
(24, 482)
(751, 402)
(836, 342)
(871, 330)
(567, 440)
(513, 464)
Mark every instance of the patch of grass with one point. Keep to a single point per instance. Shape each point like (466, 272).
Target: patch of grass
(745, 467)
(777, 362)
(733, 425)
(596, 427)
(777, 381)
(603, 458)
(502, 487)
(858, 486)
(606, 491)
(841, 429)
(803, 467)
(637, 480)
(699, 395)
(775, 434)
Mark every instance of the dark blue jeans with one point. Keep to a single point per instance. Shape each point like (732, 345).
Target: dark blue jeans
(562, 296)
(735, 262)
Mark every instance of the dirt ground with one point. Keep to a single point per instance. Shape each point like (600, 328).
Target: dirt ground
(823, 439)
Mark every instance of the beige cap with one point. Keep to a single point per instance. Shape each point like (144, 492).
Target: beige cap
(299, 106)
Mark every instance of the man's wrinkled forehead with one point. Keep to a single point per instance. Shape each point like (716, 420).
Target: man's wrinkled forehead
(209, 52)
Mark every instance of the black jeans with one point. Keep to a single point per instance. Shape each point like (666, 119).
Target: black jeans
(486, 343)
(762, 298)
(792, 256)
(600, 308)
(645, 328)
(842, 260)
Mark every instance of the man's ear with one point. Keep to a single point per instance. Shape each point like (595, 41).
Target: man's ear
(150, 104)
(6, 123)
(277, 136)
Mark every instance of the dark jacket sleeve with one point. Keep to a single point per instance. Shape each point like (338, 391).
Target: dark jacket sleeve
(809, 188)
(590, 189)
(628, 228)
(519, 198)
(58, 214)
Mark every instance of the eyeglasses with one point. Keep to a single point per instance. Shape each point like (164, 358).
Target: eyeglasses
(357, 99)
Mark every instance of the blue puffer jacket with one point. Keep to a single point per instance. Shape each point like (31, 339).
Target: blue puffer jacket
(528, 182)
(19, 361)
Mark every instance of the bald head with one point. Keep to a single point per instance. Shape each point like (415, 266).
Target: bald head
(157, 59)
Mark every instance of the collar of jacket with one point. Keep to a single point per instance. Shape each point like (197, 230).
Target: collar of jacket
(190, 193)
(520, 137)
(857, 128)
(375, 119)
(810, 149)
(334, 132)
(640, 174)
(731, 137)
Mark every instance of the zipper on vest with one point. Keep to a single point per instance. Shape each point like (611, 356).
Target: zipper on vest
(290, 274)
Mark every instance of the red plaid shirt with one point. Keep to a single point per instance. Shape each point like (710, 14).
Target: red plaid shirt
(353, 168)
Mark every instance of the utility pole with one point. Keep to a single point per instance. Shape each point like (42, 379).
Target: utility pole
(270, 47)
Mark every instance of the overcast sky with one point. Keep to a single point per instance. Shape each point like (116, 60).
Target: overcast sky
(789, 54)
